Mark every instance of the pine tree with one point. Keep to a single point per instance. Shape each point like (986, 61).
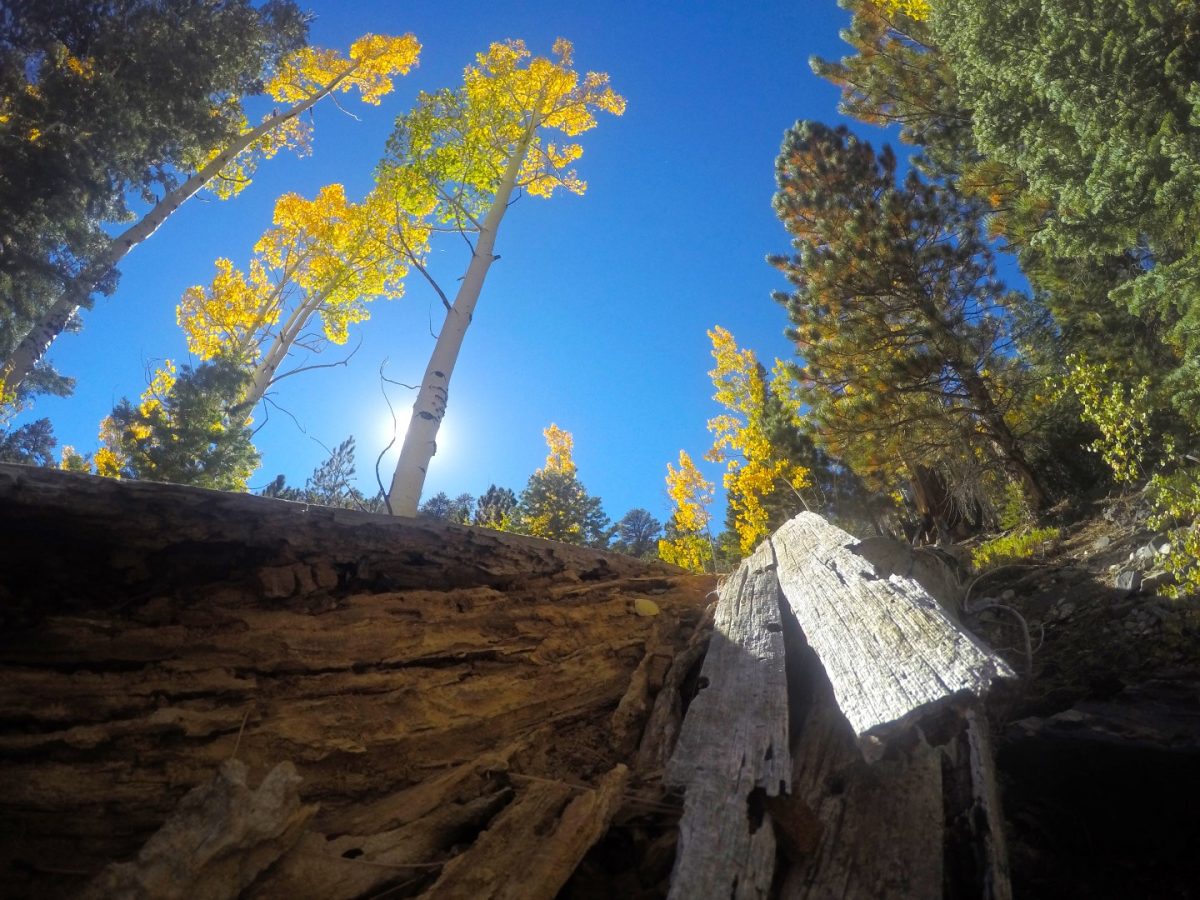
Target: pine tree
(1105, 134)
(441, 505)
(555, 505)
(189, 428)
(496, 508)
(908, 352)
(104, 101)
(637, 533)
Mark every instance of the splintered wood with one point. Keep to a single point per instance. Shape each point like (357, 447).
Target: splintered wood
(734, 744)
(887, 646)
(872, 656)
(437, 701)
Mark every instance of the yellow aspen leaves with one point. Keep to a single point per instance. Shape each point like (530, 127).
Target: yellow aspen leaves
(373, 60)
(754, 470)
(688, 544)
(306, 75)
(561, 444)
(224, 316)
(509, 91)
(325, 256)
(915, 9)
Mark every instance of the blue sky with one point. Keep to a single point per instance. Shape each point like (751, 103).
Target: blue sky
(594, 317)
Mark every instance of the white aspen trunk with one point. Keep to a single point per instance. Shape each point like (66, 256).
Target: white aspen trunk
(33, 347)
(420, 441)
(267, 369)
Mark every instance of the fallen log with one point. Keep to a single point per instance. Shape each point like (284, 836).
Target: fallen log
(449, 697)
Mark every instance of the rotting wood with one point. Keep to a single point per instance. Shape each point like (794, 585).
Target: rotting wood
(733, 750)
(216, 843)
(890, 651)
(150, 632)
(534, 845)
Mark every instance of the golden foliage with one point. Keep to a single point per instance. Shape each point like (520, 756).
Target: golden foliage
(561, 444)
(324, 256)
(915, 9)
(305, 75)
(754, 471)
(688, 544)
(373, 60)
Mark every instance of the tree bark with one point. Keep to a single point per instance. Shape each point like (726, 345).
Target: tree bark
(420, 440)
(444, 693)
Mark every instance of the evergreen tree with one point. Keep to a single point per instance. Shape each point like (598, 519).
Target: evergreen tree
(908, 350)
(32, 444)
(555, 505)
(189, 428)
(441, 505)
(496, 508)
(101, 100)
(1106, 134)
(637, 534)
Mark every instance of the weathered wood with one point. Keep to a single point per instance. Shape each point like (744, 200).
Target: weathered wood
(216, 843)
(879, 827)
(152, 632)
(534, 845)
(891, 766)
(733, 752)
(890, 651)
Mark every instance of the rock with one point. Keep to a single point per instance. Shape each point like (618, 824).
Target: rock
(1156, 580)
(1101, 543)
(1008, 595)
(1129, 582)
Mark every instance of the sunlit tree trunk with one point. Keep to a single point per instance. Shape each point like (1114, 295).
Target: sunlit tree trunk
(420, 441)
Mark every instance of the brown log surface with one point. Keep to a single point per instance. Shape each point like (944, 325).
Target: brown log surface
(411, 671)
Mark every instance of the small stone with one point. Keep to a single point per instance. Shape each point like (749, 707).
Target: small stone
(1129, 582)
(1101, 543)
(1164, 548)
(1007, 595)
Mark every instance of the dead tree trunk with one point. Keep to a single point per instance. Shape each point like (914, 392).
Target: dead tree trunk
(210, 695)
(225, 695)
(838, 722)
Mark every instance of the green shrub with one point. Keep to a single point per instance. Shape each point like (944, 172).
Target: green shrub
(1013, 547)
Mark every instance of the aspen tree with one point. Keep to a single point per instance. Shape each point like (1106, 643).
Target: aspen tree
(302, 80)
(470, 150)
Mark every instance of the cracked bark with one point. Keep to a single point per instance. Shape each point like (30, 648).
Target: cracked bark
(438, 689)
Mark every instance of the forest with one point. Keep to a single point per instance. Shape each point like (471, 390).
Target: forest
(912, 612)
(927, 397)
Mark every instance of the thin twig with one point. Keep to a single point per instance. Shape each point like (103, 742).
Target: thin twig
(242, 729)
